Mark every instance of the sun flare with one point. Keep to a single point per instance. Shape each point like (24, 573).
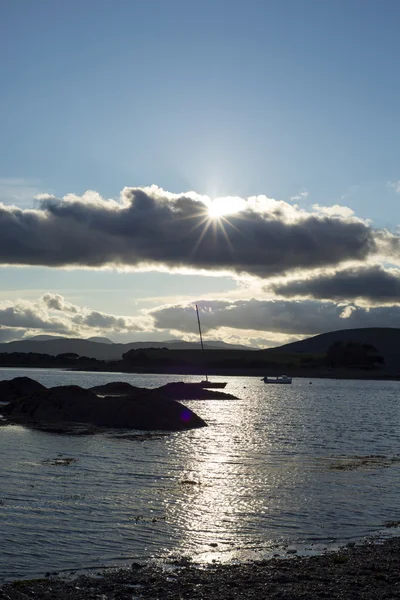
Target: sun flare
(220, 207)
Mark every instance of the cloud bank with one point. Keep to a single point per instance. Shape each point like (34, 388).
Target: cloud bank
(373, 284)
(253, 322)
(152, 228)
(52, 314)
(290, 317)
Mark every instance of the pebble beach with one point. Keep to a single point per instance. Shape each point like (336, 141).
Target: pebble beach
(367, 571)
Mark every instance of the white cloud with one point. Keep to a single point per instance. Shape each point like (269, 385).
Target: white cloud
(300, 196)
(52, 314)
(347, 312)
(394, 185)
(334, 211)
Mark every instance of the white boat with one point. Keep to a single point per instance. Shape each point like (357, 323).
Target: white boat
(278, 379)
(206, 383)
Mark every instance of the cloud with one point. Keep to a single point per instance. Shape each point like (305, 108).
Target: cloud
(253, 322)
(57, 302)
(51, 313)
(394, 185)
(300, 195)
(154, 229)
(29, 316)
(309, 317)
(334, 211)
(372, 283)
(388, 245)
(9, 334)
(105, 322)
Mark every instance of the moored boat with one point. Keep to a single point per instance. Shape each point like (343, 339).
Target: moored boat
(278, 379)
(206, 383)
(212, 384)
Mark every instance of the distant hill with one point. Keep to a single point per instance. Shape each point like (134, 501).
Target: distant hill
(182, 345)
(43, 338)
(385, 339)
(100, 340)
(101, 350)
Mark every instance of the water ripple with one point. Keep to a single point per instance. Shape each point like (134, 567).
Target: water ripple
(283, 467)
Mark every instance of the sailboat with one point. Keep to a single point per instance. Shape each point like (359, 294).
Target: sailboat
(206, 383)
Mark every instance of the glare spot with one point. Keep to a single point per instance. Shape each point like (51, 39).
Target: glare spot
(219, 207)
(186, 415)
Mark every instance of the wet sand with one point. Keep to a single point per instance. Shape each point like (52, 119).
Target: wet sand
(370, 571)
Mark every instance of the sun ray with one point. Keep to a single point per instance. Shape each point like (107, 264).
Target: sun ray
(201, 236)
(219, 215)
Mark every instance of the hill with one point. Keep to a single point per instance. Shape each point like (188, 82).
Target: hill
(101, 350)
(385, 339)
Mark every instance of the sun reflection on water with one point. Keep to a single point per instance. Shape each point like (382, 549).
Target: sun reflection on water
(215, 503)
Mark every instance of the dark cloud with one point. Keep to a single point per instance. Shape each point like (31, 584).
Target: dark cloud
(373, 283)
(153, 227)
(309, 317)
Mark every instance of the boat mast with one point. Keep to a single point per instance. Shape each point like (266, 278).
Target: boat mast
(201, 337)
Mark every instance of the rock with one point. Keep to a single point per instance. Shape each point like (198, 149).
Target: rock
(117, 388)
(10, 389)
(73, 404)
(175, 390)
(191, 391)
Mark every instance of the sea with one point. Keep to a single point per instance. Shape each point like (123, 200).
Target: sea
(282, 470)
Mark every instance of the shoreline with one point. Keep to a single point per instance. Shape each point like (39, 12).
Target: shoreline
(341, 374)
(366, 571)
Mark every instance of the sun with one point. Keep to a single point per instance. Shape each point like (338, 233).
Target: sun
(220, 207)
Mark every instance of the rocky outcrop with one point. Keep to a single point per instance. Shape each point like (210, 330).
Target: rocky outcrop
(117, 388)
(73, 404)
(191, 391)
(11, 389)
(175, 390)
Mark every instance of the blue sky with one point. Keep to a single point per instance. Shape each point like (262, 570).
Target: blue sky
(296, 100)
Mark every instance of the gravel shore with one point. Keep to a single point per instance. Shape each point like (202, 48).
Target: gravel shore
(368, 571)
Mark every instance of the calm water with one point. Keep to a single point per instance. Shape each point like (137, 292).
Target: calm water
(283, 467)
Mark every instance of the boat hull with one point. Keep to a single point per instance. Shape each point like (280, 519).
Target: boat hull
(213, 385)
(278, 380)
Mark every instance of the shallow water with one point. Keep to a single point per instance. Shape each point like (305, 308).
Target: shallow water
(282, 468)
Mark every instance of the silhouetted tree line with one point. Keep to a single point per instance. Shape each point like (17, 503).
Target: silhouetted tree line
(34, 359)
(340, 354)
(353, 354)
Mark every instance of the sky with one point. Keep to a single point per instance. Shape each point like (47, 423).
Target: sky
(243, 156)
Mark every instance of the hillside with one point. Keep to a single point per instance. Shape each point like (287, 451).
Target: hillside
(385, 339)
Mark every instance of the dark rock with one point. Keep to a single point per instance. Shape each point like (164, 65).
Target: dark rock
(117, 388)
(73, 404)
(191, 391)
(18, 388)
(175, 390)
